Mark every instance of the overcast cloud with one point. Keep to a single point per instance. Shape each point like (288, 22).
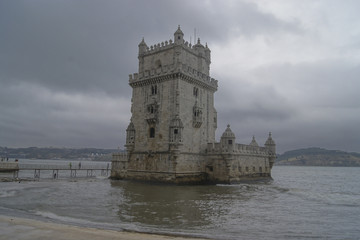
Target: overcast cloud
(287, 66)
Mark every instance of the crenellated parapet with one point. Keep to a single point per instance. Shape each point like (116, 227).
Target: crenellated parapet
(227, 145)
(239, 149)
(164, 46)
(168, 71)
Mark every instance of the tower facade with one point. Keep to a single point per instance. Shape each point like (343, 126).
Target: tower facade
(173, 119)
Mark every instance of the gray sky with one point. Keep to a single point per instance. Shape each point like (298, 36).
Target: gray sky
(291, 67)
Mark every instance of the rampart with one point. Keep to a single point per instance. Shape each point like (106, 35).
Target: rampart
(241, 149)
(138, 78)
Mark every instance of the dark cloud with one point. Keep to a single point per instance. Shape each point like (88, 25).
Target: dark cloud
(92, 45)
(64, 69)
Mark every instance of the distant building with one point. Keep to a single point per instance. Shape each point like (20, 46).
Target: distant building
(171, 134)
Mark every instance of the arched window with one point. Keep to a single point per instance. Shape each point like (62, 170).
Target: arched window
(152, 132)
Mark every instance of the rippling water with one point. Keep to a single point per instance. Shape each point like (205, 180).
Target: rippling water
(300, 203)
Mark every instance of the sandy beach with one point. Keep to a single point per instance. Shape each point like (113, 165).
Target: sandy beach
(21, 228)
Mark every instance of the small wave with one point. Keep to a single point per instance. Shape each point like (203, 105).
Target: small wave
(340, 199)
(74, 221)
(8, 193)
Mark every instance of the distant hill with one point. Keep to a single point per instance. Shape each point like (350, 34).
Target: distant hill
(318, 157)
(58, 153)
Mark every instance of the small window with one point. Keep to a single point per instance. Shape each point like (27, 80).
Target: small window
(153, 90)
(179, 37)
(195, 91)
(197, 113)
(247, 169)
(176, 131)
(230, 141)
(253, 169)
(152, 132)
(260, 169)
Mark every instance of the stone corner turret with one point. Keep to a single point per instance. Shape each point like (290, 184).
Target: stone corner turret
(178, 36)
(253, 142)
(271, 148)
(227, 140)
(142, 47)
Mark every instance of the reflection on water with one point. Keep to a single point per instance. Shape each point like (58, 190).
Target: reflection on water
(189, 207)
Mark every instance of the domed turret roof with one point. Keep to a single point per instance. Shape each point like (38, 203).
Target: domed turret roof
(270, 141)
(142, 43)
(198, 44)
(253, 142)
(178, 31)
(228, 133)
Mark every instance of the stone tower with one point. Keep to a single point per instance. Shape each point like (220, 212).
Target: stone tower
(171, 134)
(173, 115)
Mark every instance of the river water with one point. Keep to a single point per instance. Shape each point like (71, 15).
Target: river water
(300, 203)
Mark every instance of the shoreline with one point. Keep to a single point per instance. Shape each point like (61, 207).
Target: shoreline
(29, 229)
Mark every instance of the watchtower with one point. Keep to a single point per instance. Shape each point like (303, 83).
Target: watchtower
(173, 115)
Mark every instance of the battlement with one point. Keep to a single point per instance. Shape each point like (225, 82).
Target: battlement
(171, 69)
(158, 47)
(163, 46)
(241, 149)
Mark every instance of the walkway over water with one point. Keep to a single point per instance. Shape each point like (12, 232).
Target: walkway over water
(8, 166)
(61, 170)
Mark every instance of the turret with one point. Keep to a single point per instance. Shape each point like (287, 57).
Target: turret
(176, 129)
(200, 49)
(254, 143)
(130, 137)
(271, 147)
(142, 47)
(270, 144)
(207, 54)
(228, 140)
(178, 36)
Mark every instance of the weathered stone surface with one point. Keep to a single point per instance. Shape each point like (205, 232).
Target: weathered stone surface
(171, 134)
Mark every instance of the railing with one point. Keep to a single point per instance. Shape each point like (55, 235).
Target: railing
(72, 171)
(8, 167)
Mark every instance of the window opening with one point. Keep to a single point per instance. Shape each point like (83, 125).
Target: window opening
(153, 90)
(152, 132)
(195, 91)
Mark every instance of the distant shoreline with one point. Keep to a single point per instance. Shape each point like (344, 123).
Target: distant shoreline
(29, 229)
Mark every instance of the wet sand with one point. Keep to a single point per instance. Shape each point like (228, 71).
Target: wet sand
(21, 228)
